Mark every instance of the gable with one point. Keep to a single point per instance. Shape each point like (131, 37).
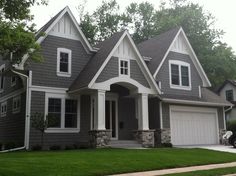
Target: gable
(65, 28)
(228, 86)
(179, 45)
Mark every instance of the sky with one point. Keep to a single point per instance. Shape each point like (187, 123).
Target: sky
(223, 10)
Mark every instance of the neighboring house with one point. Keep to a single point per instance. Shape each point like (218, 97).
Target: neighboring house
(153, 93)
(228, 91)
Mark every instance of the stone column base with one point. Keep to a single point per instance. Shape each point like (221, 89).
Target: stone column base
(99, 138)
(162, 136)
(145, 137)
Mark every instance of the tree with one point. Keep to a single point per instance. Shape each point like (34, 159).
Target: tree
(17, 35)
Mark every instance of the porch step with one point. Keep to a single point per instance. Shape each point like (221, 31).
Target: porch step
(126, 144)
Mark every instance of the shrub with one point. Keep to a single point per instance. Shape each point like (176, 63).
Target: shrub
(231, 126)
(166, 145)
(55, 147)
(69, 147)
(1, 145)
(9, 145)
(36, 148)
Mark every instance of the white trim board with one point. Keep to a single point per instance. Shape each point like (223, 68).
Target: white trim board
(206, 82)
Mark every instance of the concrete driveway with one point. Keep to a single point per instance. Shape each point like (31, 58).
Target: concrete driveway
(221, 148)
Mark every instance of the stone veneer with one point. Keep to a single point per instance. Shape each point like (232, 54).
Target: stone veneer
(162, 136)
(99, 138)
(145, 137)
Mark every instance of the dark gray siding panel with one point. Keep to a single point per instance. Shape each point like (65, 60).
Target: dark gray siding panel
(12, 126)
(166, 115)
(221, 118)
(163, 76)
(137, 74)
(154, 113)
(126, 116)
(44, 73)
(110, 70)
(62, 139)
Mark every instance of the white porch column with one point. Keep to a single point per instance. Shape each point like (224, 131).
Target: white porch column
(143, 119)
(100, 110)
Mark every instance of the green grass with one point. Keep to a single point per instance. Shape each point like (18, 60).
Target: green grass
(104, 161)
(213, 172)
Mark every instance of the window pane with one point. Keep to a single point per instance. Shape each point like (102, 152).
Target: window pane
(64, 62)
(71, 114)
(229, 95)
(124, 67)
(54, 112)
(174, 74)
(185, 75)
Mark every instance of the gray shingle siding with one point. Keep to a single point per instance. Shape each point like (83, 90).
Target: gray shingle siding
(61, 139)
(111, 70)
(45, 73)
(12, 126)
(163, 76)
(221, 118)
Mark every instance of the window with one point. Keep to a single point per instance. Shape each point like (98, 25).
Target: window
(13, 81)
(16, 104)
(2, 68)
(63, 62)
(62, 113)
(229, 95)
(54, 112)
(3, 109)
(180, 75)
(71, 114)
(124, 67)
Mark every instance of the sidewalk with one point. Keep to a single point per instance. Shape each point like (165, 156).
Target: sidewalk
(179, 170)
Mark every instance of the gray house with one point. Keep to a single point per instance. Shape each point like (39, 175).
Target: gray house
(228, 91)
(154, 92)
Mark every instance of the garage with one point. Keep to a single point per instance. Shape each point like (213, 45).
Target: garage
(193, 126)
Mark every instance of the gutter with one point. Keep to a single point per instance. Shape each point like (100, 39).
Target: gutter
(27, 120)
(231, 107)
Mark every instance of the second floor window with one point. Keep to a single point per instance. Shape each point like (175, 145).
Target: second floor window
(13, 81)
(124, 67)
(16, 104)
(63, 62)
(4, 109)
(180, 75)
(2, 68)
(229, 95)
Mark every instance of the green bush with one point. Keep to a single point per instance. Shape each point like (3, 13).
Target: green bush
(231, 126)
(36, 148)
(1, 146)
(55, 147)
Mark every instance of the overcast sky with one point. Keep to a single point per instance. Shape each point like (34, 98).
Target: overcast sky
(223, 10)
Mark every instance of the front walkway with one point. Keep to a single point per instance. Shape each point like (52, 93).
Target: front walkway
(180, 170)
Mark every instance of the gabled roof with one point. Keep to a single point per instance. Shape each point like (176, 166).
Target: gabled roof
(92, 67)
(157, 47)
(230, 81)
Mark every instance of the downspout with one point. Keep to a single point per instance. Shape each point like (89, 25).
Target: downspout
(27, 120)
(228, 109)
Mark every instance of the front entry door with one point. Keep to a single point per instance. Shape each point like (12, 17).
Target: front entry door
(111, 117)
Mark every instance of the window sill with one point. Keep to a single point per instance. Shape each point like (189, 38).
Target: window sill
(63, 74)
(62, 130)
(1, 90)
(16, 111)
(181, 87)
(3, 115)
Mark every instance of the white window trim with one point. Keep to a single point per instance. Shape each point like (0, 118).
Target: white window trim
(2, 67)
(63, 98)
(3, 114)
(13, 83)
(17, 110)
(180, 63)
(64, 50)
(127, 60)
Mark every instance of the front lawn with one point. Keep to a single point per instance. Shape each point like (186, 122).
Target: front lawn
(213, 172)
(104, 161)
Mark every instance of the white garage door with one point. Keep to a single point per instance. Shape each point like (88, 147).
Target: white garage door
(193, 126)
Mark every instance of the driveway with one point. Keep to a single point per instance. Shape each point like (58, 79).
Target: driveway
(221, 148)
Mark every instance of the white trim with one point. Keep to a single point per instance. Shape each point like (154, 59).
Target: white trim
(161, 117)
(125, 80)
(41, 38)
(169, 100)
(113, 97)
(128, 66)
(17, 109)
(68, 51)
(179, 64)
(48, 89)
(197, 110)
(4, 109)
(13, 83)
(206, 82)
(140, 61)
(200, 91)
(63, 97)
